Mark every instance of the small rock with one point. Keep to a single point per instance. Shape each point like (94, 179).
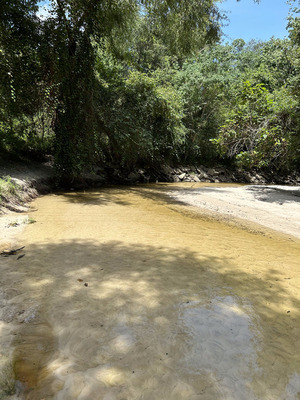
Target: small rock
(167, 169)
(134, 176)
(248, 178)
(203, 175)
(211, 171)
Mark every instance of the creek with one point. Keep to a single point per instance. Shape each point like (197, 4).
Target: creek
(124, 293)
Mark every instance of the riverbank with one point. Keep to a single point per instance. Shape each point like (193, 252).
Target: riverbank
(20, 183)
(272, 206)
(25, 182)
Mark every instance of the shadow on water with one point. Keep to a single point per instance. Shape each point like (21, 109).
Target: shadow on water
(147, 322)
(159, 193)
(156, 192)
(97, 197)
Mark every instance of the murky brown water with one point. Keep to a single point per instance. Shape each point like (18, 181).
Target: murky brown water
(122, 295)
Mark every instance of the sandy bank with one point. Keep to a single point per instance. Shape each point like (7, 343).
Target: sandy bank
(274, 207)
(31, 179)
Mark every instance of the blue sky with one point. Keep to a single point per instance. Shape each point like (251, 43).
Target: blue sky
(249, 20)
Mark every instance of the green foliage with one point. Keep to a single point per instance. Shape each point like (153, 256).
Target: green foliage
(259, 130)
(140, 114)
(25, 107)
(294, 22)
(19, 69)
(184, 26)
(241, 102)
(75, 29)
(140, 82)
(203, 83)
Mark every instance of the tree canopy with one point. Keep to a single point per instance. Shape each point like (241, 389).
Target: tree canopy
(142, 82)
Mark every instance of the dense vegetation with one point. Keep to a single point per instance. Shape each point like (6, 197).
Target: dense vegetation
(131, 83)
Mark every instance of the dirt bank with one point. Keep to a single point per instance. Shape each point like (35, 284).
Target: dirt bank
(25, 183)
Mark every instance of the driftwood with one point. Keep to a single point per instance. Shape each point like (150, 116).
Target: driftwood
(13, 252)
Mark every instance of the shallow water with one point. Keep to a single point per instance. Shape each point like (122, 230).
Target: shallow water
(126, 294)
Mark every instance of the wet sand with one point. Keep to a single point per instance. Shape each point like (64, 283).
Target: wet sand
(124, 294)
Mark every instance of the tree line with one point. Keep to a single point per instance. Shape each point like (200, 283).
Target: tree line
(139, 83)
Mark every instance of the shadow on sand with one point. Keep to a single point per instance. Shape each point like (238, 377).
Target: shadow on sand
(122, 320)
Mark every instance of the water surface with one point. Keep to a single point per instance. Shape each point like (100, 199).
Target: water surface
(126, 294)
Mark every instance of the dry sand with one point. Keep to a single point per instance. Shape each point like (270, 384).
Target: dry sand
(274, 207)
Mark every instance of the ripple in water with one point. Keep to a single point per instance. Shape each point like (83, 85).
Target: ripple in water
(222, 345)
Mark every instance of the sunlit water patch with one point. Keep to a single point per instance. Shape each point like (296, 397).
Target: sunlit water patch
(222, 344)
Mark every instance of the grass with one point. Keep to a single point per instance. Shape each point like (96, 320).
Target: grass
(14, 224)
(7, 378)
(8, 189)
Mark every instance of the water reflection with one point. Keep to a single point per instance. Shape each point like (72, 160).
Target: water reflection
(222, 344)
(293, 388)
(123, 336)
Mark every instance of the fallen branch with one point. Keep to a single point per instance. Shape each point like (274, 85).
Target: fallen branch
(7, 253)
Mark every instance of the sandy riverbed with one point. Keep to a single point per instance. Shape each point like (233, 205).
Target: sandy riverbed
(124, 294)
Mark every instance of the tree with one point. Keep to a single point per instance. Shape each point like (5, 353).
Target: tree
(242, 97)
(293, 25)
(155, 110)
(78, 27)
(205, 82)
(19, 67)
(259, 128)
(141, 114)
